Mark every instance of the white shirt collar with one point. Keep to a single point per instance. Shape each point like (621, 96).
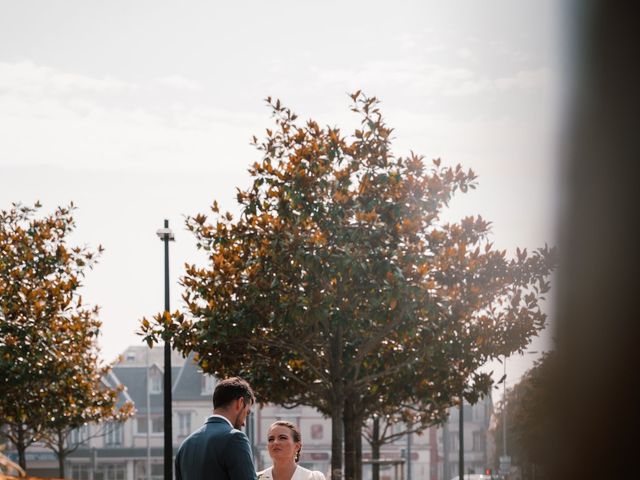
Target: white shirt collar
(215, 415)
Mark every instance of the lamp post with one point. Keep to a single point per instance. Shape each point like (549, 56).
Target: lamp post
(409, 452)
(504, 410)
(461, 438)
(505, 460)
(166, 235)
(148, 399)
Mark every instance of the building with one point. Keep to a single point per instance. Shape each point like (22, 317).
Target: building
(123, 451)
(476, 420)
(120, 451)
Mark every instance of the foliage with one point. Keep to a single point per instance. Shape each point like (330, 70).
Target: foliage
(50, 377)
(83, 397)
(528, 406)
(340, 287)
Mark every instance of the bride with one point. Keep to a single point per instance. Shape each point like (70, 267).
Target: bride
(284, 444)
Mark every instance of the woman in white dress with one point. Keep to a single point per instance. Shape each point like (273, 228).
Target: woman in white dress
(284, 443)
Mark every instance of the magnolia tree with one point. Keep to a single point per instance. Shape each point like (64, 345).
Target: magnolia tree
(50, 374)
(527, 407)
(82, 396)
(341, 287)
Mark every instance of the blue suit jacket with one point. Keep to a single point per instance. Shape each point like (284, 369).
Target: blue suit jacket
(215, 452)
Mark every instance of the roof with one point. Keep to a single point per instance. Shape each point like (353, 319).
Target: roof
(186, 378)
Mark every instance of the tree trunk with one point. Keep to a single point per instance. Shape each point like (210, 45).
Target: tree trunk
(337, 402)
(349, 447)
(22, 459)
(359, 452)
(375, 449)
(461, 439)
(61, 459)
(60, 453)
(337, 436)
(352, 437)
(21, 448)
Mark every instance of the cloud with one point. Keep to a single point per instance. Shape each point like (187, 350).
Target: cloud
(29, 79)
(525, 79)
(409, 41)
(468, 87)
(57, 118)
(179, 82)
(428, 79)
(425, 78)
(464, 53)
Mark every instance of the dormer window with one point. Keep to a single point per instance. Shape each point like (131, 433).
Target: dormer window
(208, 384)
(155, 381)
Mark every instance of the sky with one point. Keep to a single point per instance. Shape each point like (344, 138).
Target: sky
(140, 111)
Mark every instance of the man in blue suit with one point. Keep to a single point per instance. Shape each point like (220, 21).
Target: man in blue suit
(219, 450)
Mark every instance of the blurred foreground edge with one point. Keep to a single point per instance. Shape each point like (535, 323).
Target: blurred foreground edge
(596, 407)
(9, 477)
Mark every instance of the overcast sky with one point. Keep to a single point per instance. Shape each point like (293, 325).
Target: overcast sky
(139, 111)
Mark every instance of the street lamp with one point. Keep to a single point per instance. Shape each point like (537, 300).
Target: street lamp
(505, 461)
(166, 235)
(461, 437)
(504, 409)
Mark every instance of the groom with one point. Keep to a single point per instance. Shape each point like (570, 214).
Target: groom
(219, 450)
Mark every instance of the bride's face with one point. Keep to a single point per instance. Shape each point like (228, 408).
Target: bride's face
(281, 445)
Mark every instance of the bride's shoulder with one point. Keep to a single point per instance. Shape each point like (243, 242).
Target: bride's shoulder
(265, 474)
(306, 474)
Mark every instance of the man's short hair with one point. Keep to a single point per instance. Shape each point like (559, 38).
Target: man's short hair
(231, 389)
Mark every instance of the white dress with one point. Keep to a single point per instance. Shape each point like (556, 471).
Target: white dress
(301, 473)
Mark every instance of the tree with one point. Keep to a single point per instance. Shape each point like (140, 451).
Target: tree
(49, 369)
(339, 286)
(396, 421)
(83, 397)
(414, 405)
(527, 405)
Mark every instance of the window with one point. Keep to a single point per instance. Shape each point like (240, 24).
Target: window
(157, 471)
(184, 423)
(113, 434)
(79, 471)
(317, 432)
(454, 415)
(157, 424)
(155, 381)
(80, 435)
(468, 413)
(453, 441)
(208, 384)
(141, 425)
(109, 471)
(478, 442)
